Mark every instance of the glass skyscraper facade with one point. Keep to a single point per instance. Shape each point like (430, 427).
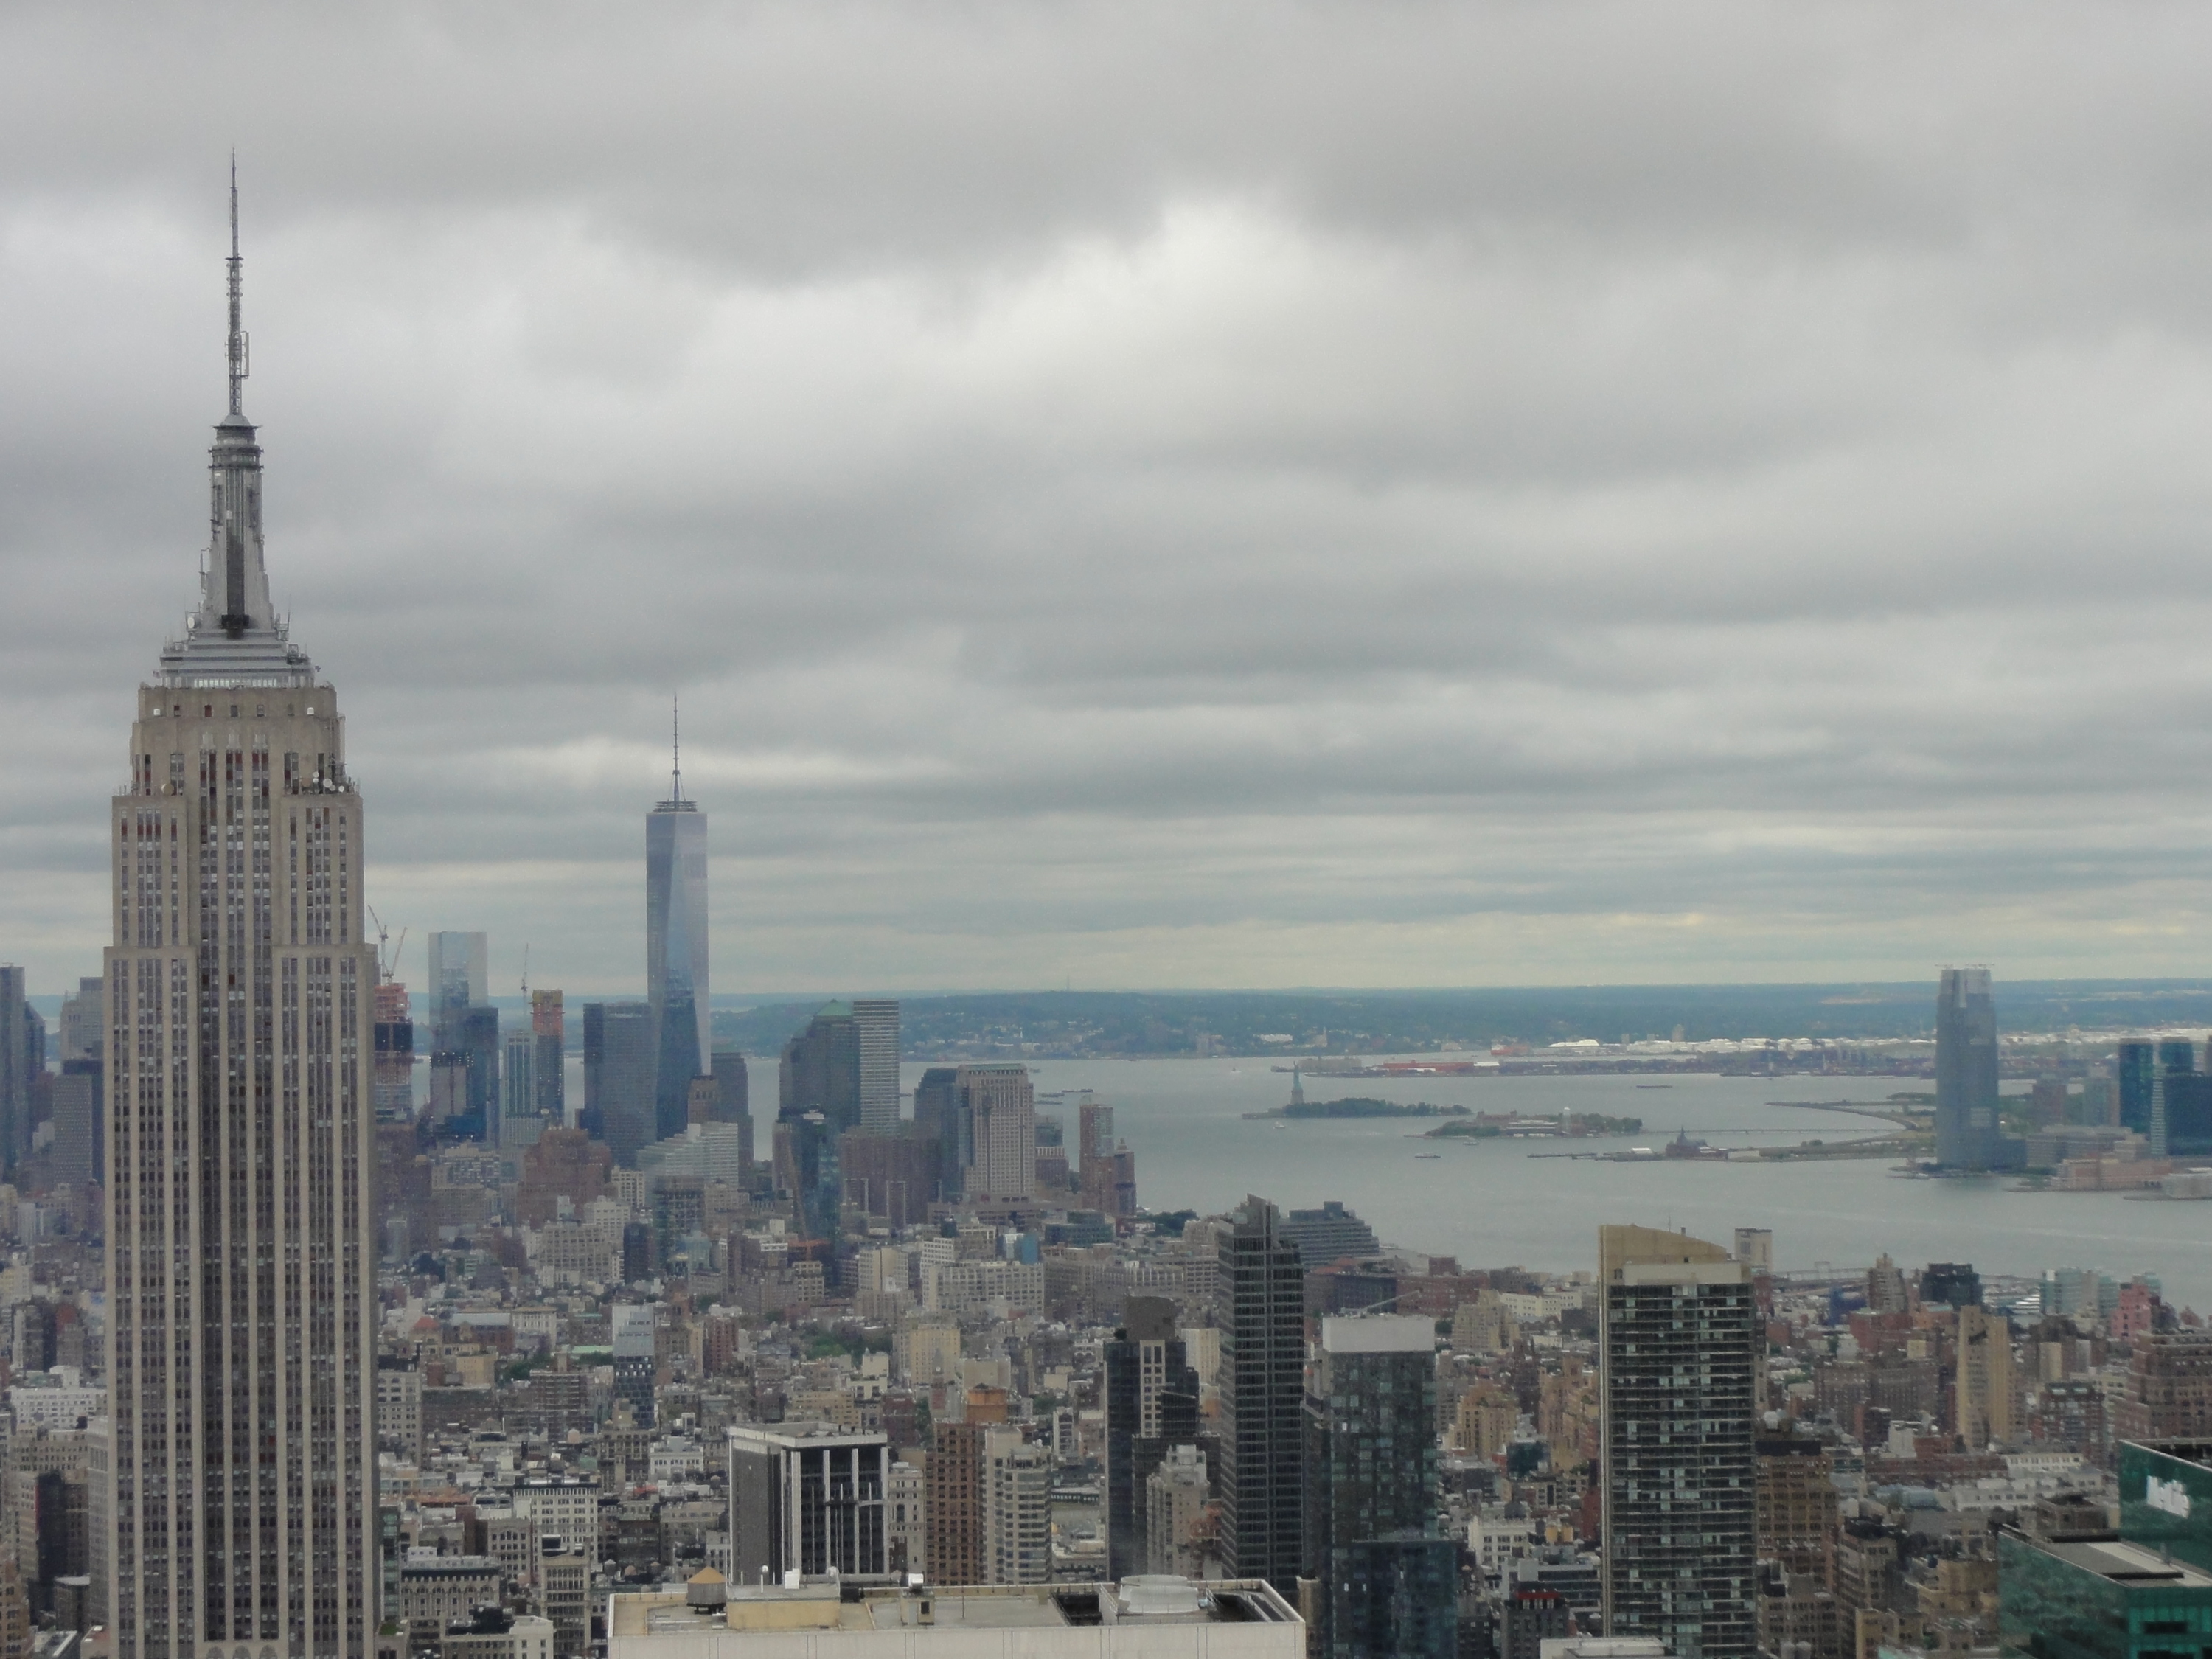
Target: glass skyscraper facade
(1386, 1581)
(676, 956)
(1965, 1070)
(2142, 1593)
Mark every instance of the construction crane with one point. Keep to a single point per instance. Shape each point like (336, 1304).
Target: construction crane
(525, 975)
(386, 965)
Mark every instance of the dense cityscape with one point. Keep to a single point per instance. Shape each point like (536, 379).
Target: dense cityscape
(351, 1311)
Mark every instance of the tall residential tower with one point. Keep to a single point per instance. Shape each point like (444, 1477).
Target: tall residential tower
(1263, 1354)
(241, 1354)
(1678, 1340)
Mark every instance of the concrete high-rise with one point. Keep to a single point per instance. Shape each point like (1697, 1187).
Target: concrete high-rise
(1386, 1579)
(1677, 1341)
(877, 1023)
(1984, 1380)
(549, 1027)
(1017, 1492)
(1000, 1105)
(676, 985)
(240, 1241)
(953, 1513)
(1965, 1070)
(1263, 1393)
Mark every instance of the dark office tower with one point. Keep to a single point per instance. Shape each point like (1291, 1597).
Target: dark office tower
(477, 1032)
(2187, 1098)
(1262, 1398)
(550, 1026)
(1952, 1284)
(821, 1070)
(2173, 1096)
(733, 1088)
(675, 951)
(733, 1099)
(17, 1068)
(1965, 1070)
(1386, 1581)
(1677, 1339)
(618, 1076)
(241, 1513)
(77, 1120)
(2137, 1068)
(1528, 1615)
(937, 1119)
(1147, 1380)
(807, 1497)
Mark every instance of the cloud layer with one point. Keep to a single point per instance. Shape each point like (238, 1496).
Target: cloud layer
(1251, 495)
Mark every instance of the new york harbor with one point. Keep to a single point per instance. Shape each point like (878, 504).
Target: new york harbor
(1261, 831)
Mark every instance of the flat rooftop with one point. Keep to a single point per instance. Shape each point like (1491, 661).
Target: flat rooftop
(2189, 1451)
(1146, 1602)
(2129, 1564)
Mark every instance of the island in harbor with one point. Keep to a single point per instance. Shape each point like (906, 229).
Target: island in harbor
(1360, 1106)
(1536, 1126)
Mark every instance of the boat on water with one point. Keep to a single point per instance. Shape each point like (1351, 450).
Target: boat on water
(1421, 1158)
(1655, 1086)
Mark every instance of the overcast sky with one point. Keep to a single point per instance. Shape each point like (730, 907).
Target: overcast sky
(1154, 494)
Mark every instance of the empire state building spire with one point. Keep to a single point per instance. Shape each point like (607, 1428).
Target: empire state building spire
(240, 1516)
(235, 630)
(238, 369)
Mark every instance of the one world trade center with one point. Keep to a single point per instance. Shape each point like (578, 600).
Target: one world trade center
(675, 951)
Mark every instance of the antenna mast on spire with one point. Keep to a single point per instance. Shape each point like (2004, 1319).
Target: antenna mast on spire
(239, 366)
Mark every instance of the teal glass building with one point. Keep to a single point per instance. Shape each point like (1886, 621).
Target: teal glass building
(2142, 1593)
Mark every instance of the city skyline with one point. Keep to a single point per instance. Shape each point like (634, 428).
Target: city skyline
(1147, 553)
(1614, 509)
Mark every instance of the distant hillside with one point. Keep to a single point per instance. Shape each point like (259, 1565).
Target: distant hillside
(1044, 1023)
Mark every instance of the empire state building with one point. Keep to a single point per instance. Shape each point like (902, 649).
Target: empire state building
(240, 1269)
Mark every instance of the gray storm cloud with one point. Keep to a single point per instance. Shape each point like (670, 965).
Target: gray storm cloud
(1156, 496)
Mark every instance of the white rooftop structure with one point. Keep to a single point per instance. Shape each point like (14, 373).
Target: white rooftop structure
(1157, 1618)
